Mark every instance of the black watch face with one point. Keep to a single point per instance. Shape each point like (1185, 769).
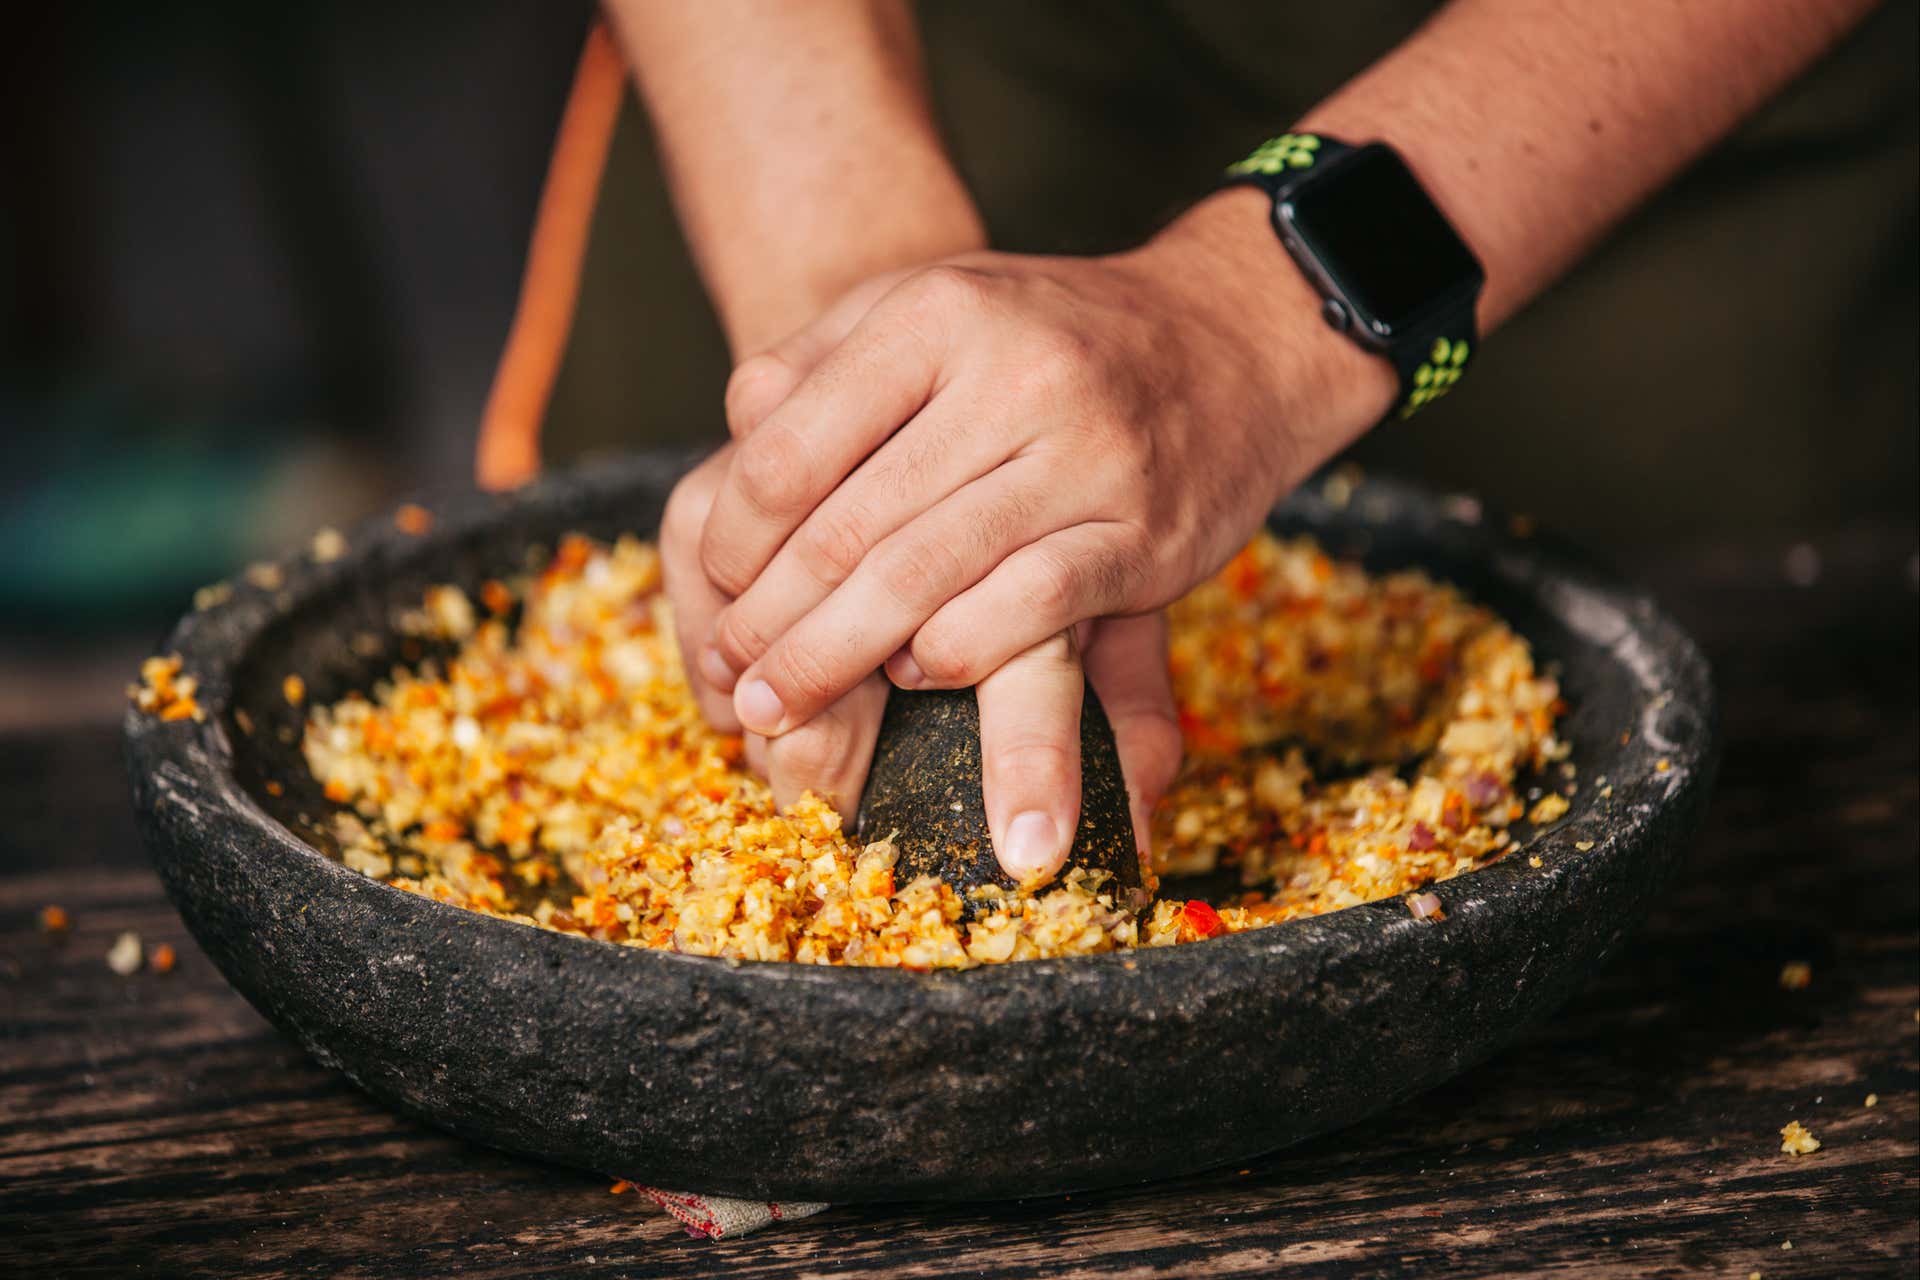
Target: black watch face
(1369, 226)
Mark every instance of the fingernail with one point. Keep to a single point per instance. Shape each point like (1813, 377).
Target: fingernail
(715, 669)
(759, 706)
(905, 672)
(1033, 851)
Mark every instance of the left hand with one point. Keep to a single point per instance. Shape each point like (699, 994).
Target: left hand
(954, 465)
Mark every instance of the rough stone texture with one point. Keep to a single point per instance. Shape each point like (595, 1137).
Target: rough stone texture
(924, 790)
(843, 1084)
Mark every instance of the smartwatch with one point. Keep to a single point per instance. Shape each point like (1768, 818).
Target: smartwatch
(1391, 272)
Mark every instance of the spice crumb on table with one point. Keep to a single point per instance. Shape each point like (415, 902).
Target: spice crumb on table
(1797, 1140)
(125, 955)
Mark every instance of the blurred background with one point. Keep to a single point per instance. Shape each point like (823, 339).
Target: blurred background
(257, 261)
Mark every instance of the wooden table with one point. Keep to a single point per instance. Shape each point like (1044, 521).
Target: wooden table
(154, 1124)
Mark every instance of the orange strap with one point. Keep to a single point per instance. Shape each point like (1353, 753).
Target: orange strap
(508, 454)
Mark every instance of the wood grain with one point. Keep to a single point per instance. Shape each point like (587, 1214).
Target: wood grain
(156, 1125)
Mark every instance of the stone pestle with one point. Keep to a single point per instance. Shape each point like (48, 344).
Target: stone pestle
(924, 792)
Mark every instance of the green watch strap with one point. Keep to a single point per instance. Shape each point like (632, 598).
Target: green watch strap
(1276, 164)
(1429, 373)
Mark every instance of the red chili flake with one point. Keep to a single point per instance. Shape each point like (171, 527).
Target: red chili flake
(53, 919)
(1202, 919)
(621, 1187)
(1421, 839)
(162, 959)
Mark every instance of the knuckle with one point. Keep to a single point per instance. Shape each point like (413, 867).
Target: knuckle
(945, 289)
(1008, 522)
(738, 639)
(912, 460)
(726, 566)
(1055, 356)
(832, 545)
(942, 657)
(1070, 584)
(1052, 584)
(799, 673)
(749, 386)
(918, 572)
(772, 471)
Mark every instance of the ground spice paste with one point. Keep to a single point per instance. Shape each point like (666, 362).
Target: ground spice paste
(555, 770)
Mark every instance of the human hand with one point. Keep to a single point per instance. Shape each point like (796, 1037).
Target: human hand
(1029, 711)
(960, 462)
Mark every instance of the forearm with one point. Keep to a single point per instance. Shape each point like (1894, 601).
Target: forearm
(1539, 125)
(799, 143)
(1536, 125)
